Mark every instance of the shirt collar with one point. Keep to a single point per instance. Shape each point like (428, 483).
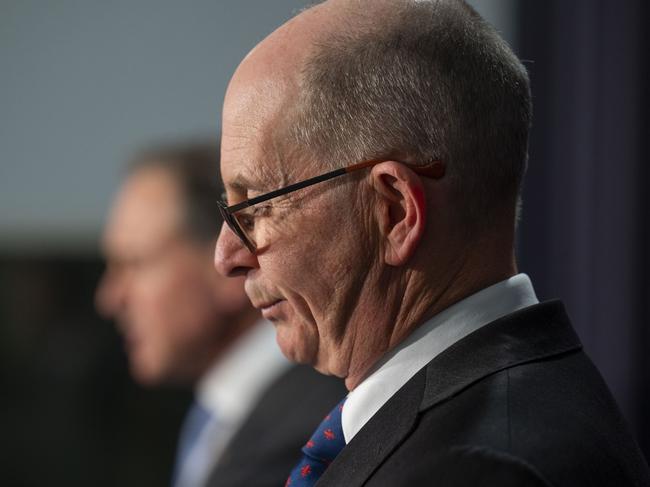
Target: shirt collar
(429, 340)
(232, 386)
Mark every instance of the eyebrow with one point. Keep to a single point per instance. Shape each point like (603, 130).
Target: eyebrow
(242, 183)
(253, 180)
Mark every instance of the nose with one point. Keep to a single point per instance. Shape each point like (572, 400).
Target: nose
(231, 257)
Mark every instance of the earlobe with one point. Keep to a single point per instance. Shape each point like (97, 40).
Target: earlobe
(402, 205)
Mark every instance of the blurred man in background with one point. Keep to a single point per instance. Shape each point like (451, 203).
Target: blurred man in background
(185, 324)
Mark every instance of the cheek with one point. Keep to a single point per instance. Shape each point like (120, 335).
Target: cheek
(152, 329)
(173, 312)
(155, 308)
(316, 274)
(319, 271)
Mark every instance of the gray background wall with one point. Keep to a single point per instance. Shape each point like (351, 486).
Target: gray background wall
(84, 83)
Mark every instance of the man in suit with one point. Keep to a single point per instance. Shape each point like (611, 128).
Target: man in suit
(185, 324)
(373, 154)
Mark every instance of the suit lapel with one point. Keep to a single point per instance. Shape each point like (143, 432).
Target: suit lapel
(534, 333)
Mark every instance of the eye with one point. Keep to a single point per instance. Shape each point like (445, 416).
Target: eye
(246, 221)
(248, 217)
(262, 210)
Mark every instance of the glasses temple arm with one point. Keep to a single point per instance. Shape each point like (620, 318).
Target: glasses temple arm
(287, 189)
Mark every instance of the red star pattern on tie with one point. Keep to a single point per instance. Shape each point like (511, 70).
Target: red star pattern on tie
(321, 449)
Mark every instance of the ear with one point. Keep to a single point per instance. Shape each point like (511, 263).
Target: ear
(402, 210)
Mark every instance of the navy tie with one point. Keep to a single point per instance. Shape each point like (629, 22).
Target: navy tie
(321, 449)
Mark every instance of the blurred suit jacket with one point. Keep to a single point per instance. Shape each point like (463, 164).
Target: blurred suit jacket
(515, 403)
(267, 446)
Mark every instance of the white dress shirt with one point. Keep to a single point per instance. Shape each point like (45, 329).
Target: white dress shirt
(229, 391)
(428, 341)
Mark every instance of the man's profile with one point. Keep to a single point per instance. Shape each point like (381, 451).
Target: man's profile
(373, 155)
(185, 324)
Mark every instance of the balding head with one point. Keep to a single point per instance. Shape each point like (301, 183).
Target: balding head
(405, 83)
(268, 80)
(412, 80)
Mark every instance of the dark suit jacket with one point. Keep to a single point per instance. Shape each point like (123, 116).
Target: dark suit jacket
(515, 403)
(267, 446)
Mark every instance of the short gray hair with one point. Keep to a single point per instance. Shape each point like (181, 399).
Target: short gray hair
(432, 80)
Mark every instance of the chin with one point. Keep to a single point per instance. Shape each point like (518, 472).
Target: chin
(146, 374)
(144, 378)
(293, 344)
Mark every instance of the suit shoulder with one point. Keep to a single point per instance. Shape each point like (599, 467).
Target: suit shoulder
(468, 465)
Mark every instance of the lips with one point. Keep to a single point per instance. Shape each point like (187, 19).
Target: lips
(269, 302)
(272, 309)
(260, 298)
(266, 305)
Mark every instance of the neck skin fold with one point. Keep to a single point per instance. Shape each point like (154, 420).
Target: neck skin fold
(414, 297)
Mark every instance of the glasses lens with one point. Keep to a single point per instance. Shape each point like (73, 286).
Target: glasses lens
(233, 221)
(245, 222)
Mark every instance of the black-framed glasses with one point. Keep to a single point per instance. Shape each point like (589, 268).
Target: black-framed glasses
(242, 223)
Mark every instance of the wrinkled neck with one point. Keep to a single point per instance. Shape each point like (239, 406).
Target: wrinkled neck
(417, 295)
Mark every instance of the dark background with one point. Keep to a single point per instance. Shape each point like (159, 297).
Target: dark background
(584, 234)
(70, 415)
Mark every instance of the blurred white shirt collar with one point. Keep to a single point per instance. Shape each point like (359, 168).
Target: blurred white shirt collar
(234, 383)
(229, 390)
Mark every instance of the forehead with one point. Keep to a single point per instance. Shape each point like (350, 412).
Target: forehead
(250, 156)
(146, 211)
(253, 167)
(263, 87)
